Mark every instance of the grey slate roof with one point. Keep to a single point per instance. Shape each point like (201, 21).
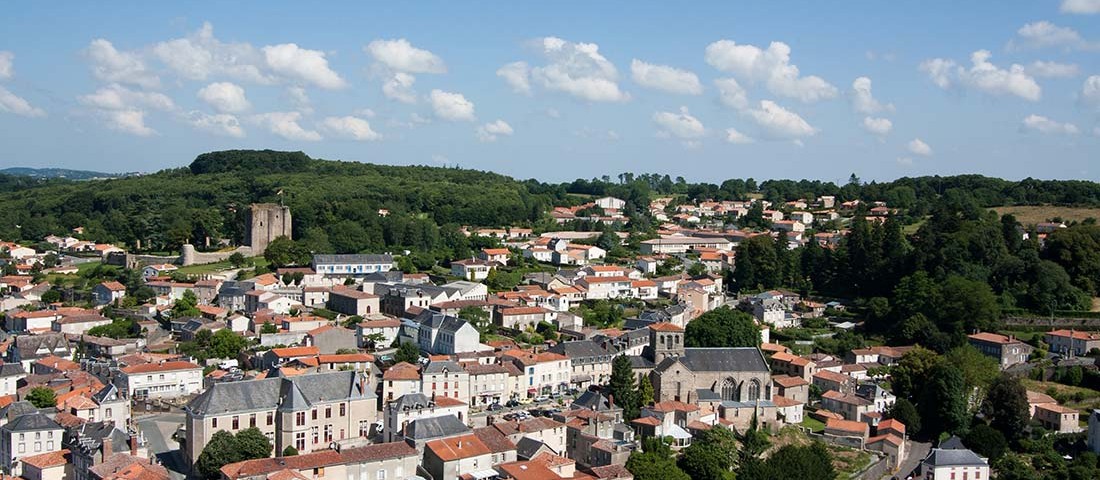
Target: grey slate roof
(88, 437)
(411, 400)
(707, 395)
(761, 403)
(952, 443)
(638, 361)
(12, 370)
(528, 447)
(581, 349)
(333, 259)
(737, 359)
(942, 457)
(439, 321)
(298, 392)
(435, 427)
(438, 366)
(590, 400)
(31, 422)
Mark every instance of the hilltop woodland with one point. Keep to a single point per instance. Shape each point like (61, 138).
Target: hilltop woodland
(960, 269)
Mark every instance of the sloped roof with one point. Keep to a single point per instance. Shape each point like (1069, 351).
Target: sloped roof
(942, 457)
(268, 393)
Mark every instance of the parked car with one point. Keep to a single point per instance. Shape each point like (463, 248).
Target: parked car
(542, 398)
(513, 403)
(494, 407)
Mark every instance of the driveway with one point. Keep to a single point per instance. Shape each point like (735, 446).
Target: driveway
(158, 430)
(917, 452)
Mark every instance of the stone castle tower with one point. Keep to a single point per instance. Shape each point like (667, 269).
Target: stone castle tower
(267, 221)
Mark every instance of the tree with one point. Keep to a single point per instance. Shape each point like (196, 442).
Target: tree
(621, 387)
(711, 456)
(758, 264)
(792, 462)
(979, 371)
(1006, 407)
(905, 412)
(477, 317)
(909, 376)
(186, 305)
(51, 296)
(290, 451)
(42, 397)
(226, 344)
(722, 327)
(943, 401)
(237, 260)
(645, 390)
(268, 328)
(283, 252)
(407, 352)
(225, 448)
(654, 462)
(696, 269)
(986, 441)
(252, 443)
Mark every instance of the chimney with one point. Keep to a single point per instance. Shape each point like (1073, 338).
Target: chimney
(134, 445)
(107, 447)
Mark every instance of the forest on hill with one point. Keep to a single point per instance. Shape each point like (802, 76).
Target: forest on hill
(335, 203)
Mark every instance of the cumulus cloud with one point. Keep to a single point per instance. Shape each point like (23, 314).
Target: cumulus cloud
(400, 56)
(1043, 34)
(772, 67)
(118, 97)
(665, 78)
(577, 69)
(492, 130)
(731, 94)
(1080, 7)
(877, 126)
(863, 101)
(1040, 68)
(128, 121)
(298, 63)
(110, 65)
(680, 125)
(400, 87)
(734, 136)
(201, 55)
(451, 106)
(354, 128)
(517, 75)
(225, 97)
(6, 60)
(285, 125)
(1041, 124)
(983, 76)
(222, 124)
(1090, 92)
(918, 147)
(778, 123)
(12, 103)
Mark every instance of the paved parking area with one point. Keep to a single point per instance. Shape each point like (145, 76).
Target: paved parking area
(158, 430)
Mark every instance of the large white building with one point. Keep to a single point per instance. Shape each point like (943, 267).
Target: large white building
(161, 380)
(351, 265)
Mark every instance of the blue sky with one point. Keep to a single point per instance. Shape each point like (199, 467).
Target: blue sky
(561, 90)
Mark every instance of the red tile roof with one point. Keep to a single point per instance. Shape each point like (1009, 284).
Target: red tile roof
(465, 446)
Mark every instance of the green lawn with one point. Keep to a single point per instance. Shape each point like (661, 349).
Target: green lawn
(217, 266)
(815, 425)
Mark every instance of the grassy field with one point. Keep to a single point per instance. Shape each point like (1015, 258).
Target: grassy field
(813, 424)
(1090, 400)
(217, 266)
(1030, 215)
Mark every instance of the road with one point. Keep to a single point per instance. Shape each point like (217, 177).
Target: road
(917, 451)
(158, 430)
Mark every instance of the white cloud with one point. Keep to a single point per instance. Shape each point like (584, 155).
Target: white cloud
(1080, 7)
(222, 124)
(1090, 91)
(118, 97)
(772, 67)
(877, 126)
(731, 94)
(1041, 124)
(12, 103)
(665, 78)
(225, 97)
(200, 55)
(1043, 34)
(1040, 68)
(6, 60)
(490, 131)
(679, 124)
(128, 121)
(779, 123)
(111, 65)
(517, 75)
(300, 99)
(983, 76)
(734, 136)
(863, 101)
(918, 147)
(285, 124)
(579, 70)
(451, 106)
(351, 127)
(400, 87)
(400, 56)
(294, 62)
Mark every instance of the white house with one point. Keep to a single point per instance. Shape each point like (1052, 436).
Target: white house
(954, 464)
(610, 203)
(351, 265)
(161, 380)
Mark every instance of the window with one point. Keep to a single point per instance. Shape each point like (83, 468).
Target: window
(270, 418)
(252, 420)
(316, 435)
(22, 448)
(214, 422)
(754, 390)
(300, 419)
(300, 441)
(328, 411)
(49, 445)
(729, 389)
(328, 433)
(38, 446)
(109, 414)
(236, 422)
(343, 409)
(381, 474)
(314, 414)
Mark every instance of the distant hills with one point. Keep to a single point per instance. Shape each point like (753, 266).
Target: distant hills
(60, 173)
